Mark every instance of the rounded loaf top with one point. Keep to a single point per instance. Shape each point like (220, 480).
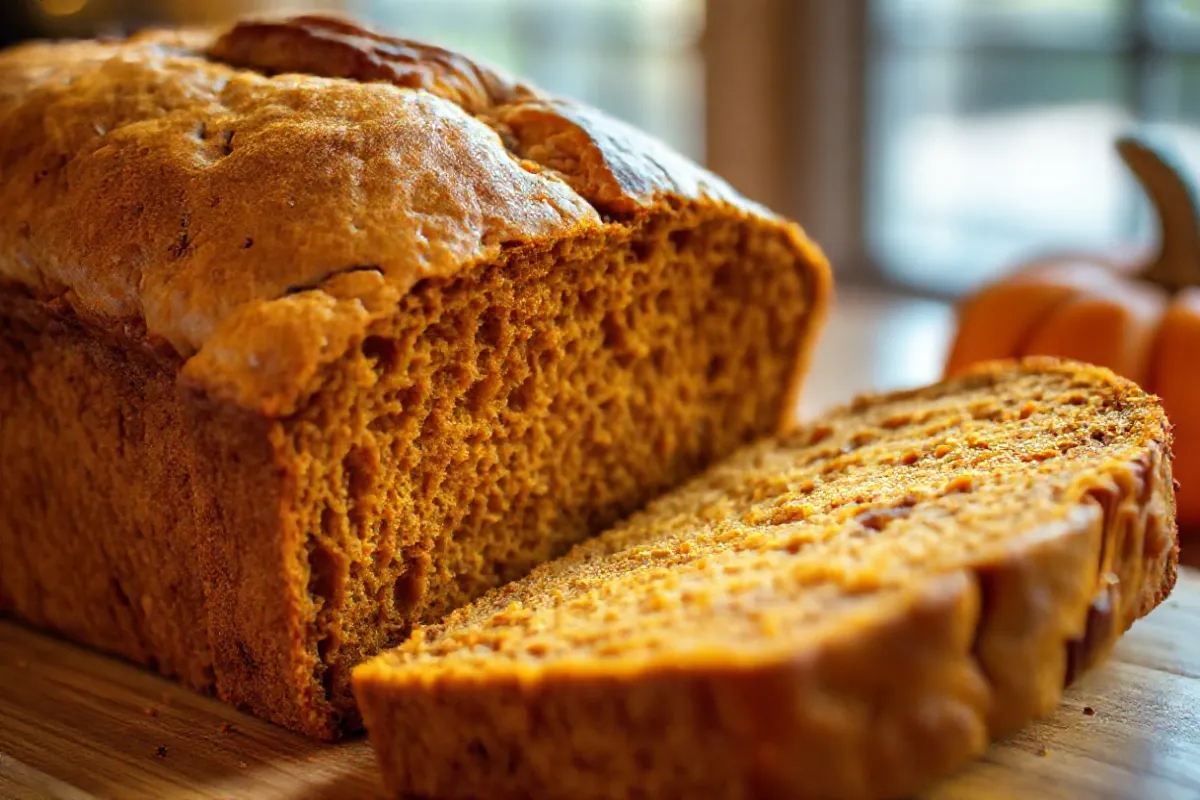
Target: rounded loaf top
(161, 183)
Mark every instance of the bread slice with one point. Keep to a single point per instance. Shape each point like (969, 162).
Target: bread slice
(847, 611)
(308, 334)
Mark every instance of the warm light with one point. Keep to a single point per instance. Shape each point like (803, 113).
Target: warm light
(62, 8)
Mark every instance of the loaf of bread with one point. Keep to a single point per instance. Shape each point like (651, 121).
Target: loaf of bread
(308, 335)
(847, 611)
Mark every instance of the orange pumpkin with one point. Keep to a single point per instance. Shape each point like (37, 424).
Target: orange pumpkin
(1141, 320)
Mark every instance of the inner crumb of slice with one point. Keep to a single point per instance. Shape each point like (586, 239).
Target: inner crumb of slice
(512, 411)
(784, 534)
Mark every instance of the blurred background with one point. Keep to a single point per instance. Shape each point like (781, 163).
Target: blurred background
(928, 145)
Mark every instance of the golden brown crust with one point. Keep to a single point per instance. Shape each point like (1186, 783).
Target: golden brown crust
(334, 48)
(821, 300)
(92, 420)
(156, 186)
(876, 702)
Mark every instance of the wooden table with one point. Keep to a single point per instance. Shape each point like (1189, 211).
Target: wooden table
(76, 724)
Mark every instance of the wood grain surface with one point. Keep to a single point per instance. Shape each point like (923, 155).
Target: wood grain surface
(77, 724)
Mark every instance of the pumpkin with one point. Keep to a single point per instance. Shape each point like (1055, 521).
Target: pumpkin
(1138, 317)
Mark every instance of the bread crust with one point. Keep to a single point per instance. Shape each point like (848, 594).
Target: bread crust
(182, 186)
(874, 705)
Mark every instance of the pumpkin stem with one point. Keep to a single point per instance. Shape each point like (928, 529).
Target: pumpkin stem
(1177, 264)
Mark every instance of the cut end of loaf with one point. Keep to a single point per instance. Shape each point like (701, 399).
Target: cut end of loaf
(871, 598)
(506, 415)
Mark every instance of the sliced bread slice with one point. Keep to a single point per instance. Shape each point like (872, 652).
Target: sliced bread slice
(848, 611)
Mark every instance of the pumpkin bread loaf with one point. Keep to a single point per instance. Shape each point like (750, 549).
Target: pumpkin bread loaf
(847, 611)
(308, 335)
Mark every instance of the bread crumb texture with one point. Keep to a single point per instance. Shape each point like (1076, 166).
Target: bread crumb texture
(848, 611)
(308, 335)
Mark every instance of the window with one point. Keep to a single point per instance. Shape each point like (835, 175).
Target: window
(990, 126)
(932, 144)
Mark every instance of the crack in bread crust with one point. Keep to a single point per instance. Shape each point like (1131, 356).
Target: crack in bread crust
(333, 48)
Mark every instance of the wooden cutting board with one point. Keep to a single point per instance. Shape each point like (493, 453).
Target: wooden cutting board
(76, 724)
